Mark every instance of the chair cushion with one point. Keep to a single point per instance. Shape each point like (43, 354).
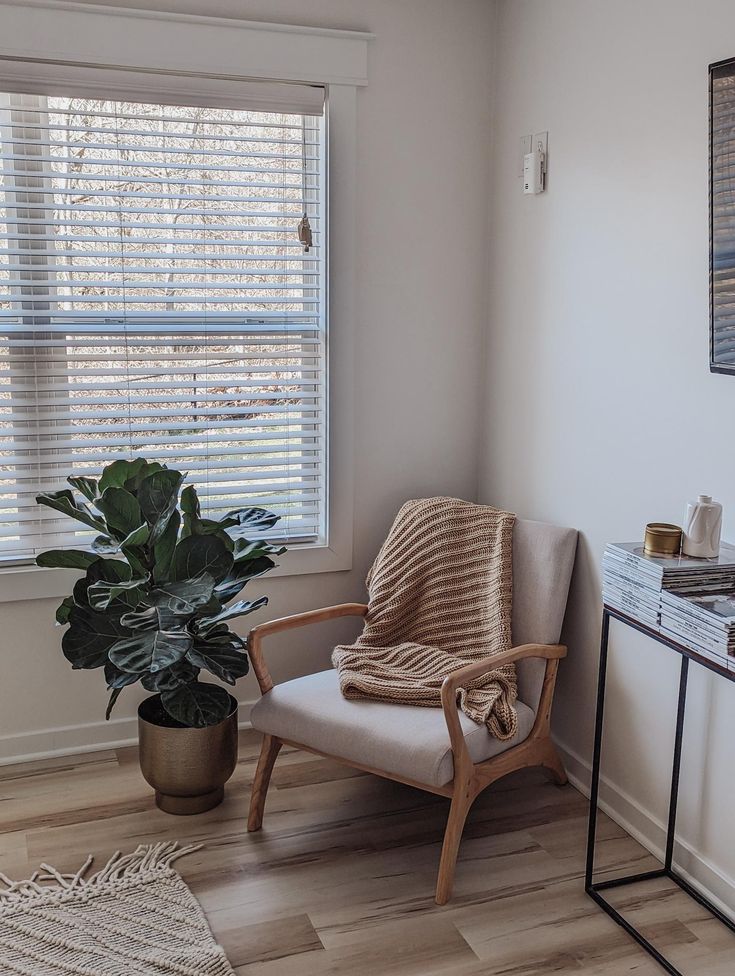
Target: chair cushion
(406, 740)
(543, 557)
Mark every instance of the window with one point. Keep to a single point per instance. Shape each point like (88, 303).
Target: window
(155, 300)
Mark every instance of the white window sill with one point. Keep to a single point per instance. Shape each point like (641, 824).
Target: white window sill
(34, 583)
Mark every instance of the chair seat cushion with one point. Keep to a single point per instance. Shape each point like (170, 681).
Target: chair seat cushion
(408, 741)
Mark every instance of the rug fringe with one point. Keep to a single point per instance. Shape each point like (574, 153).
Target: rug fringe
(146, 858)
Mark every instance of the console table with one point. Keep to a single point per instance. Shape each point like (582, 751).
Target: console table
(596, 889)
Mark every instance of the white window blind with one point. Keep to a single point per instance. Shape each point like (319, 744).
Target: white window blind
(155, 300)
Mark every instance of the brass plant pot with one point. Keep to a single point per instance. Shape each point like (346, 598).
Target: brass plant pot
(188, 768)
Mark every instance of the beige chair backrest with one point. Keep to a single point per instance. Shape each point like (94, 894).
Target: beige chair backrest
(543, 558)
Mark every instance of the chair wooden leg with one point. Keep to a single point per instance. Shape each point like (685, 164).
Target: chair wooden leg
(268, 753)
(552, 764)
(461, 803)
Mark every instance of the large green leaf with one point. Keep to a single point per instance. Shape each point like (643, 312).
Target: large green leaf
(184, 596)
(134, 557)
(158, 495)
(212, 607)
(198, 555)
(146, 619)
(222, 630)
(66, 559)
(64, 610)
(87, 642)
(194, 524)
(138, 537)
(150, 650)
(116, 678)
(108, 570)
(197, 705)
(241, 572)
(239, 609)
(170, 678)
(190, 501)
(87, 486)
(116, 681)
(112, 570)
(224, 657)
(172, 605)
(191, 511)
(163, 550)
(176, 603)
(148, 468)
(116, 474)
(129, 592)
(114, 695)
(251, 519)
(245, 550)
(198, 526)
(121, 510)
(64, 502)
(104, 545)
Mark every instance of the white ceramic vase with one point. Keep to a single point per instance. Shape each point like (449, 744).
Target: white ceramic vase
(702, 528)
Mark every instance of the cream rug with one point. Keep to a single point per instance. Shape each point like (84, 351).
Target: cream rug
(135, 917)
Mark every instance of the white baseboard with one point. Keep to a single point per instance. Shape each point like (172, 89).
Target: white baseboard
(73, 740)
(650, 832)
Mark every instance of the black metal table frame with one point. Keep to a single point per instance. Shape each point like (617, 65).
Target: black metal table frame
(595, 889)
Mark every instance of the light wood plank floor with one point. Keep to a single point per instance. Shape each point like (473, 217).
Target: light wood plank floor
(341, 879)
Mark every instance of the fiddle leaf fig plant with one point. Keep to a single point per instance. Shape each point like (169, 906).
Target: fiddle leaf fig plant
(154, 604)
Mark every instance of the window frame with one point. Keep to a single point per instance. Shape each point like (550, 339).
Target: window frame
(335, 59)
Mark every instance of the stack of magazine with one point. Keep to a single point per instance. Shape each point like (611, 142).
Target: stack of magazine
(635, 582)
(704, 622)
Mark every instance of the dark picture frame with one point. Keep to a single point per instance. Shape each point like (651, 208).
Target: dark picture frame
(721, 235)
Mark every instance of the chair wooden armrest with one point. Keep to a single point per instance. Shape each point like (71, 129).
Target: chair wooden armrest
(257, 634)
(455, 680)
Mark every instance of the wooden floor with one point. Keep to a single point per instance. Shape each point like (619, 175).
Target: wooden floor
(341, 879)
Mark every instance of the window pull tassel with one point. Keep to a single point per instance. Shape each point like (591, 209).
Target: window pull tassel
(304, 232)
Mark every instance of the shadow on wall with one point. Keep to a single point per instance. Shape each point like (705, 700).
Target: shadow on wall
(581, 633)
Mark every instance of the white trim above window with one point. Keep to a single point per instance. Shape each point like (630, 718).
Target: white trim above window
(64, 32)
(172, 89)
(74, 46)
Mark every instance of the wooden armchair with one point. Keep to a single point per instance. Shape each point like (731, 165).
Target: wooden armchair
(439, 750)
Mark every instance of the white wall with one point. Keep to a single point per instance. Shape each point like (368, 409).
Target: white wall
(600, 410)
(423, 130)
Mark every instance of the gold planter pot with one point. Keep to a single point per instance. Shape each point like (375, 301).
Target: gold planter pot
(188, 768)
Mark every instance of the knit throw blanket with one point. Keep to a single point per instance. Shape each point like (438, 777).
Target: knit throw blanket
(134, 917)
(439, 597)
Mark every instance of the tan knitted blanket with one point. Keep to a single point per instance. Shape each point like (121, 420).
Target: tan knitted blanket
(439, 597)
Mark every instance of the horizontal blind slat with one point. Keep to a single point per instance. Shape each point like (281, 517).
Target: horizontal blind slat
(276, 120)
(191, 271)
(113, 255)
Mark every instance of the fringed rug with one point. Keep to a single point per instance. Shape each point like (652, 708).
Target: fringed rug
(135, 917)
